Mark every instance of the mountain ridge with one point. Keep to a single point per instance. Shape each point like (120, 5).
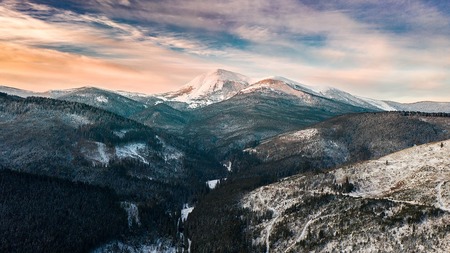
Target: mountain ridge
(405, 207)
(219, 85)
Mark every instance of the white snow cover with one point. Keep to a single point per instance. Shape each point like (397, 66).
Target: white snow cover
(129, 94)
(228, 165)
(96, 152)
(78, 120)
(416, 176)
(339, 95)
(121, 133)
(132, 150)
(212, 183)
(378, 103)
(102, 99)
(294, 84)
(402, 170)
(132, 213)
(21, 93)
(104, 158)
(305, 134)
(282, 86)
(185, 212)
(161, 246)
(169, 152)
(210, 88)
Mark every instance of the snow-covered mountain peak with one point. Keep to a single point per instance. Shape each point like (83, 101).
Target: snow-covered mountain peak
(214, 81)
(211, 87)
(222, 74)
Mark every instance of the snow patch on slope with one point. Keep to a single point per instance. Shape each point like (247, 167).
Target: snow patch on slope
(169, 152)
(212, 184)
(305, 134)
(102, 99)
(185, 212)
(378, 103)
(78, 120)
(96, 152)
(345, 97)
(229, 166)
(161, 246)
(132, 150)
(121, 133)
(132, 213)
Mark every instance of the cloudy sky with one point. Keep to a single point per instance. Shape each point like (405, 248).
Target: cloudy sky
(385, 49)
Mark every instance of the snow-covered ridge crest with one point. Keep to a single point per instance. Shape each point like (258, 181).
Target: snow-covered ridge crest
(219, 85)
(280, 85)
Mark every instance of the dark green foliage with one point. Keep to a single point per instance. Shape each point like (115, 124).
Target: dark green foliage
(162, 116)
(42, 214)
(243, 119)
(373, 135)
(346, 187)
(356, 137)
(115, 103)
(215, 225)
(366, 136)
(38, 136)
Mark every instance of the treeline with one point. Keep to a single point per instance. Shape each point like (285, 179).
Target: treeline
(43, 214)
(416, 113)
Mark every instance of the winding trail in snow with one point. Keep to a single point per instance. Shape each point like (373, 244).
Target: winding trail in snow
(275, 216)
(441, 203)
(305, 228)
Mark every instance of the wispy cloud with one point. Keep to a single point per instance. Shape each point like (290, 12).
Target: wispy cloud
(69, 49)
(368, 47)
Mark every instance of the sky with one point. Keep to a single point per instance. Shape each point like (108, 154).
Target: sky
(385, 49)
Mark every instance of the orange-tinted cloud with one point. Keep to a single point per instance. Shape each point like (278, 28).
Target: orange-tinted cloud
(43, 69)
(363, 51)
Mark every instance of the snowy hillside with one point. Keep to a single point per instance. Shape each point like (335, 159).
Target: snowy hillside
(425, 106)
(398, 203)
(104, 99)
(281, 86)
(289, 87)
(418, 175)
(342, 96)
(209, 88)
(220, 85)
(22, 93)
(351, 138)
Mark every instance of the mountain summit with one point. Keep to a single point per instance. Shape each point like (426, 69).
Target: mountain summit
(212, 87)
(219, 85)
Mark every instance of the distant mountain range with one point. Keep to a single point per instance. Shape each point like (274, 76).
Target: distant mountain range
(220, 85)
